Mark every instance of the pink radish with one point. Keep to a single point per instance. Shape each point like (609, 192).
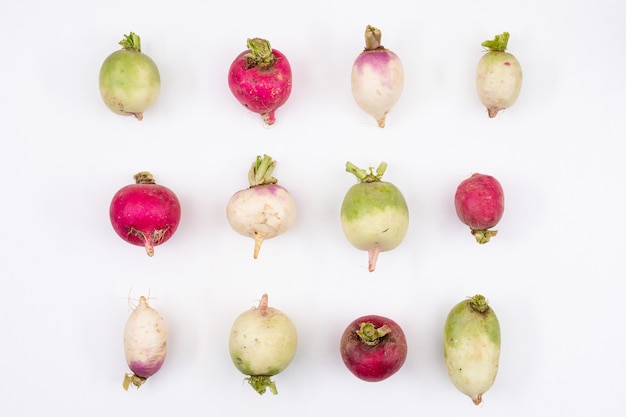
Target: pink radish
(479, 203)
(260, 79)
(374, 213)
(145, 213)
(377, 77)
(145, 344)
(499, 76)
(263, 342)
(265, 209)
(129, 79)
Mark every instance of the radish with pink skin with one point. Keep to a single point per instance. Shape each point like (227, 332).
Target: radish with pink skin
(263, 342)
(377, 77)
(265, 209)
(374, 213)
(499, 76)
(373, 348)
(260, 79)
(145, 344)
(479, 203)
(145, 213)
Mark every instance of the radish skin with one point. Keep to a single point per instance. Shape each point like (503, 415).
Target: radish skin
(479, 203)
(377, 77)
(263, 342)
(145, 344)
(498, 76)
(265, 209)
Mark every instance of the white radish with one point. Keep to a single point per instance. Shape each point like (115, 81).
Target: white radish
(499, 76)
(377, 77)
(265, 209)
(145, 344)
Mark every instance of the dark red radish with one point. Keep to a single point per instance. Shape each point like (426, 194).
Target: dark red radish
(373, 348)
(129, 80)
(145, 213)
(260, 79)
(377, 77)
(479, 203)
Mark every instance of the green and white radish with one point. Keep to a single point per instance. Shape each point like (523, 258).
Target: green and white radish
(374, 213)
(472, 346)
(499, 76)
(263, 342)
(265, 209)
(145, 344)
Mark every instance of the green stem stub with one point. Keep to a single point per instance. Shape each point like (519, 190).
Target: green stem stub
(499, 43)
(144, 177)
(483, 236)
(131, 42)
(365, 175)
(261, 170)
(370, 334)
(479, 303)
(260, 54)
(372, 38)
(261, 383)
(134, 380)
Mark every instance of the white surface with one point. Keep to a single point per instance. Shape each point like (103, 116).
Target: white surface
(554, 274)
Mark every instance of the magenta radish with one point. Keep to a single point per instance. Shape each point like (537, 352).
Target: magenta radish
(263, 342)
(260, 79)
(471, 346)
(374, 213)
(373, 348)
(265, 209)
(499, 76)
(129, 79)
(377, 77)
(145, 213)
(145, 344)
(479, 203)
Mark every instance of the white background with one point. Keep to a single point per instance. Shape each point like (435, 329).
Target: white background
(554, 274)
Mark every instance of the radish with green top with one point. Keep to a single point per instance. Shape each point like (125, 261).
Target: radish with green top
(145, 344)
(263, 342)
(145, 213)
(374, 213)
(377, 77)
(260, 79)
(472, 346)
(265, 209)
(479, 203)
(129, 79)
(499, 76)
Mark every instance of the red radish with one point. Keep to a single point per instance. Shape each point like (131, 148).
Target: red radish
(479, 203)
(265, 209)
(129, 79)
(499, 76)
(374, 213)
(377, 77)
(373, 348)
(263, 342)
(260, 79)
(145, 213)
(145, 344)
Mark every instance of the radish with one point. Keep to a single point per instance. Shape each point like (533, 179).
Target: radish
(145, 213)
(260, 79)
(145, 344)
(479, 203)
(262, 344)
(265, 209)
(373, 348)
(377, 77)
(499, 76)
(129, 79)
(374, 214)
(472, 346)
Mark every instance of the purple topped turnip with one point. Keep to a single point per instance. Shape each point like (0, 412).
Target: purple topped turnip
(129, 80)
(499, 76)
(374, 213)
(265, 209)
(377, 77)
